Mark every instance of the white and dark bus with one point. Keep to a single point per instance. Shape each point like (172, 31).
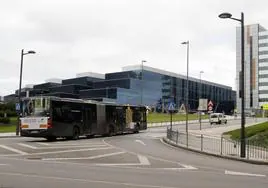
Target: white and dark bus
(53, 117)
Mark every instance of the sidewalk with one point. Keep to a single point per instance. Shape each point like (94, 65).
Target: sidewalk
(211, 141)
(7, 135)
(162, 124)
(218, 131)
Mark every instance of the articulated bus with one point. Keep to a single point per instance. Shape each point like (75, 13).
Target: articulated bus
(53, 117)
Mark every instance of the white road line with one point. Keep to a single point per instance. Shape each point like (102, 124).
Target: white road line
(4, 164)
(27, 146)
(43, 144)
(126, 184)
(141, 142)
(79, 158)
(227, 172)
(74, 144)
(187, 167)
(143, 160)
(68, 151)
(13, 150)
(78, 146)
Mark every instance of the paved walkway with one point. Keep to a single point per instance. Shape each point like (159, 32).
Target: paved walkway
(210, 140)
(218, 131)
(11, 134)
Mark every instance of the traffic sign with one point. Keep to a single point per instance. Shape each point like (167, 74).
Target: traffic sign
(210, 103)
(202, 104)
(171, 106)
(17, 106)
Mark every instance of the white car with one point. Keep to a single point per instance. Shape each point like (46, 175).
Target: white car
(217, 118)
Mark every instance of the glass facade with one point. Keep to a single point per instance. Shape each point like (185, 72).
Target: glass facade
(143, 85)
(256, 66)
(158, 88)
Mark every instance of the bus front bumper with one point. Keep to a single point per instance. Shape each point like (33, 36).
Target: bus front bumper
(36, 133)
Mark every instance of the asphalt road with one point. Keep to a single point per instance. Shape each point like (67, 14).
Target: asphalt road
(134, 160)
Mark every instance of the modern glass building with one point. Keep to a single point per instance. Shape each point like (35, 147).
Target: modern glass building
(256, 66)
(156, 88)
(140, 85)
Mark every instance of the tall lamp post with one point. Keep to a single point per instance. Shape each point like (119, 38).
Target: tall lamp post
(143, 61)
(19, 94)
(200, 96)
(242, 86)
(187, 90)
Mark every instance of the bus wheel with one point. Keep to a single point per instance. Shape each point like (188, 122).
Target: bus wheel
(137, 128)
(75, 133)
(111, 130)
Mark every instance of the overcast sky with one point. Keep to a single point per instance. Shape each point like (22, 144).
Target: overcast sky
(74, 36)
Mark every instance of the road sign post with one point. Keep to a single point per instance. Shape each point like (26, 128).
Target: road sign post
(171, 109)
(202, 106)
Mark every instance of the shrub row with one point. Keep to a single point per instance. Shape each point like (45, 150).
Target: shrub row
(9, 113)
(4, 120)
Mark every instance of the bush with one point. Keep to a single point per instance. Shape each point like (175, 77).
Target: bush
(4, 120)
(9, 113)
(250, 131)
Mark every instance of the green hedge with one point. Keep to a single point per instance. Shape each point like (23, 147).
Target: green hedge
(250, 131)
(9, 113)
(4, 120)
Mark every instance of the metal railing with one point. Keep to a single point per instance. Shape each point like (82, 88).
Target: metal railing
(182, 122)
(218, 145)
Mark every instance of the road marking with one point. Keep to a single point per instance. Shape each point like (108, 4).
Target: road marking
(72, 146)
(27, 146)
(126, 184)
(227, 172)
(92, 157)
(73, 150)
(184, 167)
(187, 167)
(43, 144)
(13, 150)
(141, 142)
(143, 160)
(4, 164)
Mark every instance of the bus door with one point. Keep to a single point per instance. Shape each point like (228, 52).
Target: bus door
(87, 126)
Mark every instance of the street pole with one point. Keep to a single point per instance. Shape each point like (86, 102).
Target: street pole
(143, 61)
(242, 86)
(243, 141)
(187, 92)
(19, 94)
(200, 94)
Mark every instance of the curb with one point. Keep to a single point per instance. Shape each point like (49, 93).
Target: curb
(166, 140)
(9, 136)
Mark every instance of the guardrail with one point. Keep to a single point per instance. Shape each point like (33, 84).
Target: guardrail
(218, 145)
(166, 123)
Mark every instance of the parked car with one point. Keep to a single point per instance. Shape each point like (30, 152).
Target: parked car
(217, 118)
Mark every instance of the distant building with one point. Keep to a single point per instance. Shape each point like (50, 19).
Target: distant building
(256, 66)
(137, 85)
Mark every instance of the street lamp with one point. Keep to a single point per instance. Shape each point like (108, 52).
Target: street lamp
(242, 86)
(143, 61)
(19, 94)
(187, 90)
(200, 96)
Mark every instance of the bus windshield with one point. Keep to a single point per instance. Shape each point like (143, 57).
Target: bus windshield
(36, 107)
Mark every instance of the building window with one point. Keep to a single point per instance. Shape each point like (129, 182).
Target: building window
(263, 53)
(263, 37)
(263, 44)
(263, 84)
